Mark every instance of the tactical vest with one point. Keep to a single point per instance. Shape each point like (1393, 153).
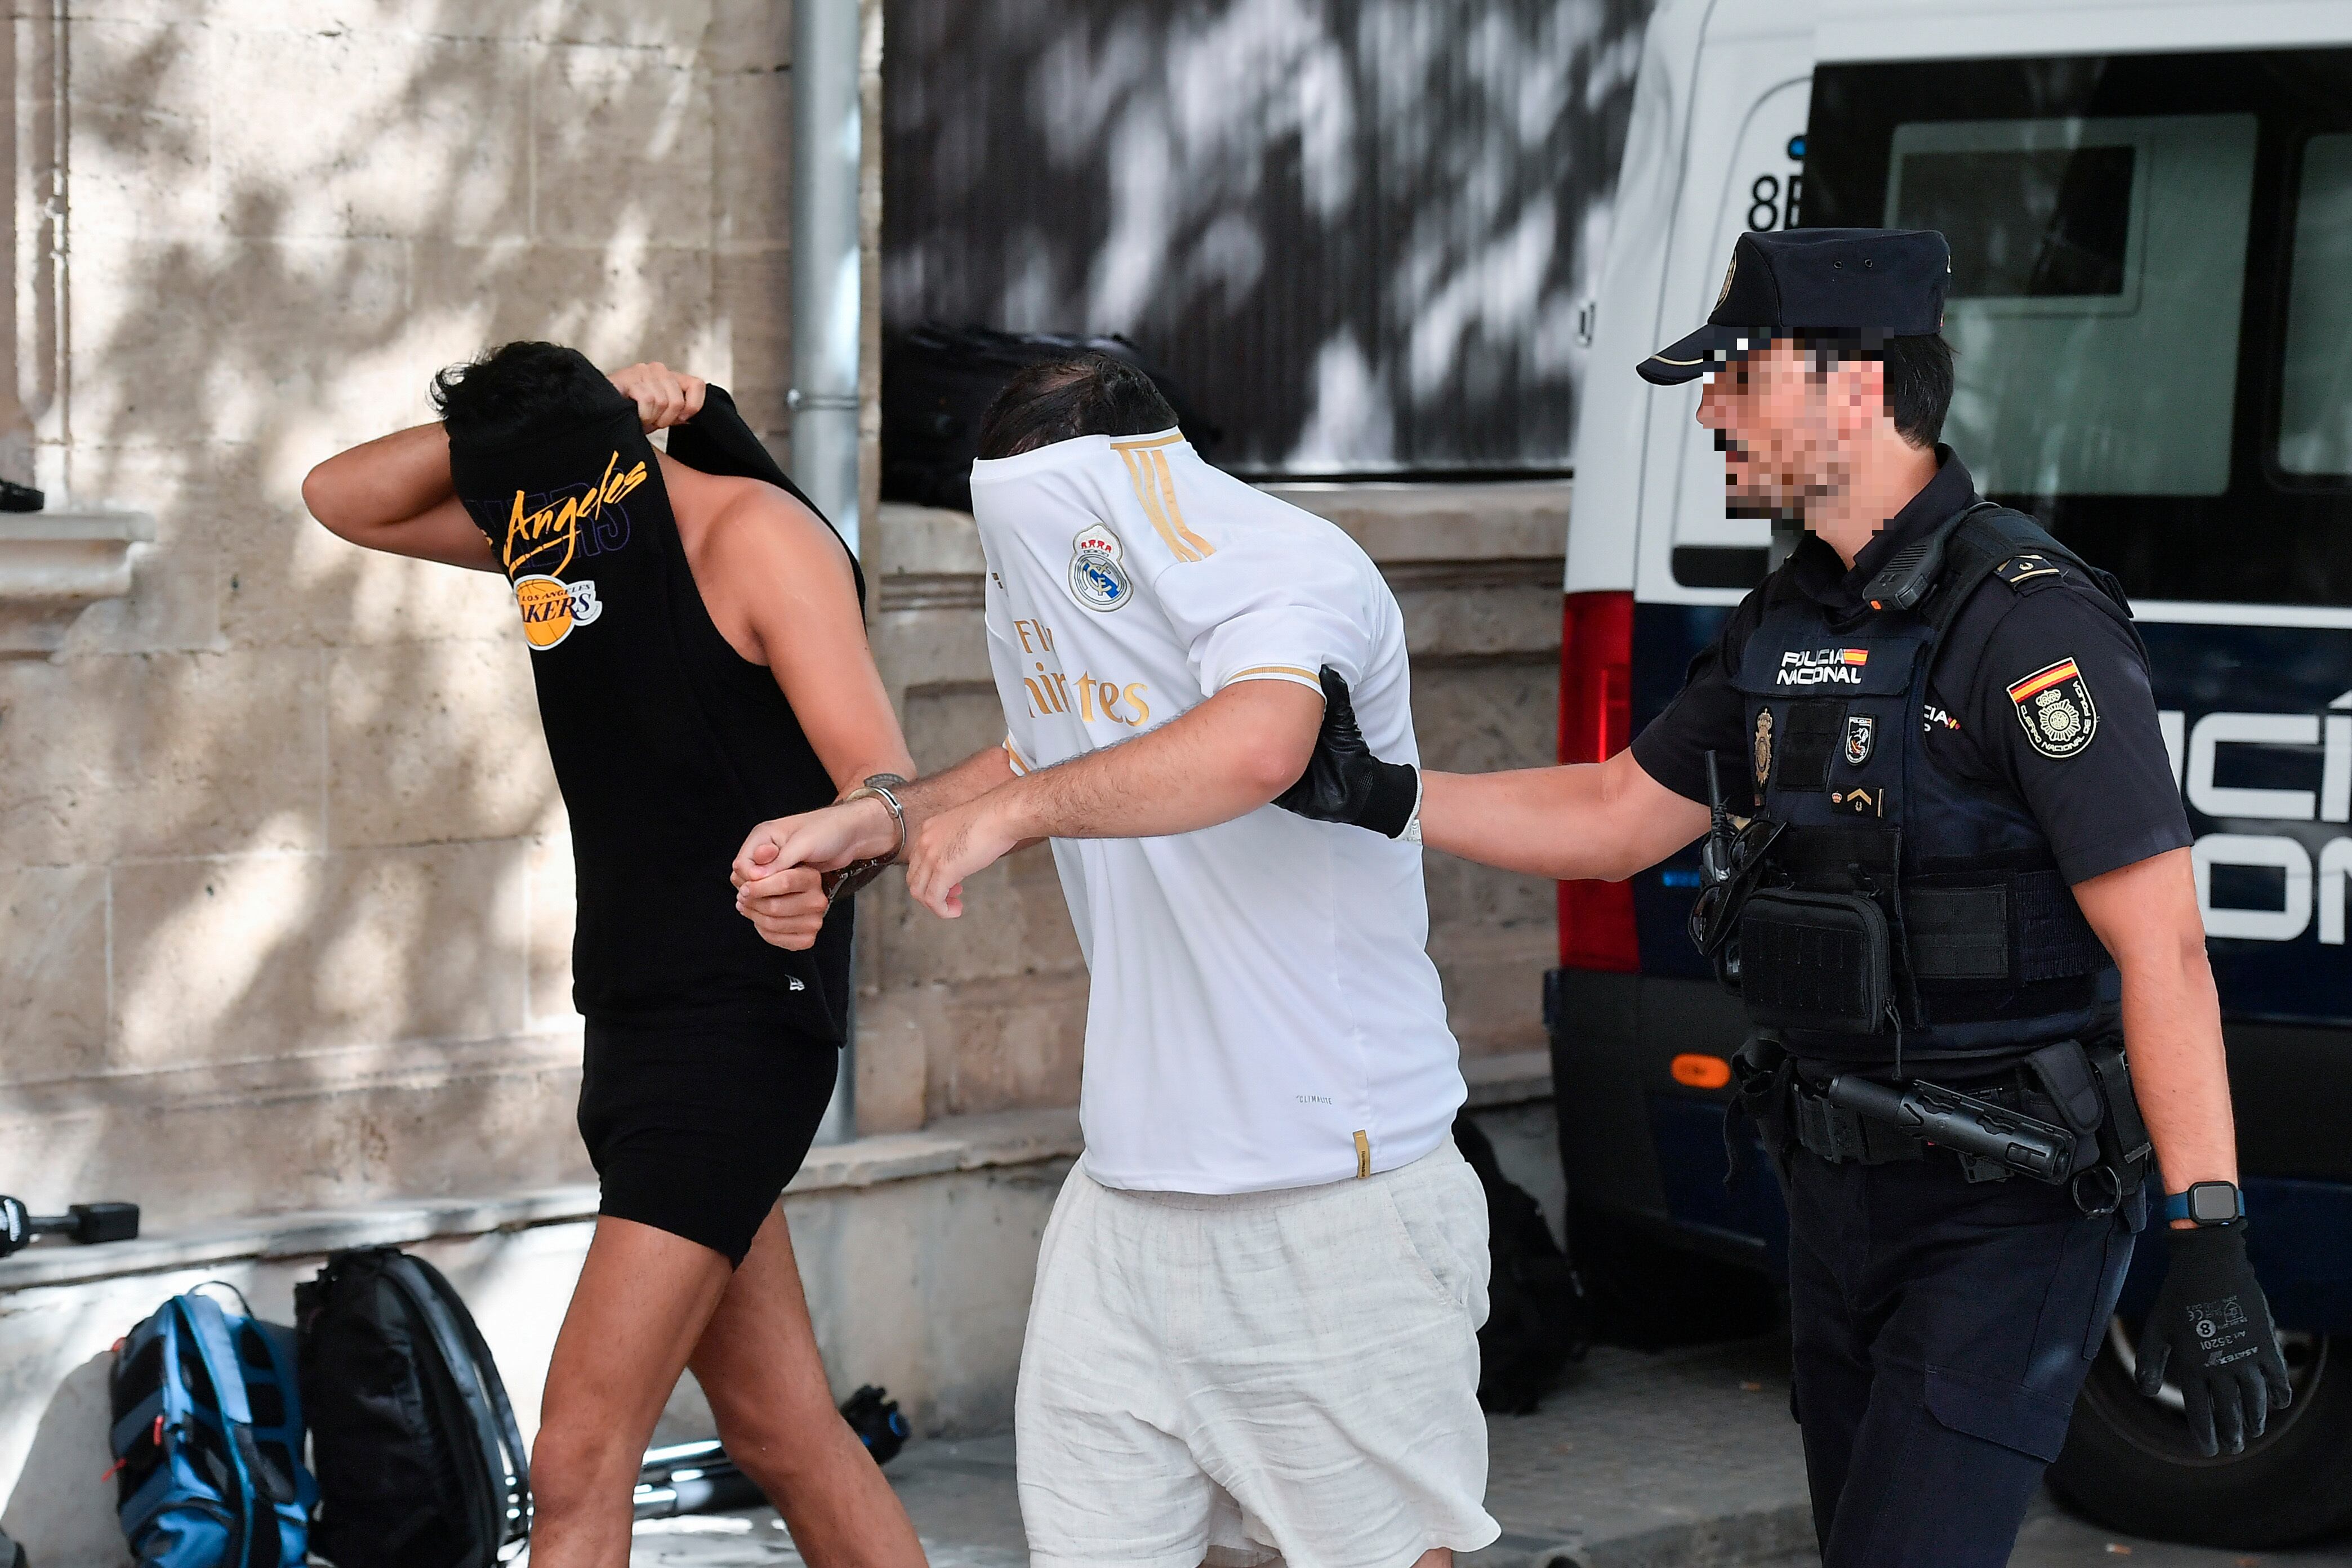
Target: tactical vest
(1901, 914)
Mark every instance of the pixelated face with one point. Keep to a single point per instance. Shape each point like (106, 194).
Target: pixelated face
(1782, 425)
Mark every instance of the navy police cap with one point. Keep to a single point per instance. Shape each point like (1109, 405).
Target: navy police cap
(1883, 282)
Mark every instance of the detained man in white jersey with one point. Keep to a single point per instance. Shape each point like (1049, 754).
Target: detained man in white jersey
(1254, 1333)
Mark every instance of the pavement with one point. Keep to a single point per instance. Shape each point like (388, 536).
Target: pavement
(1685, 1458)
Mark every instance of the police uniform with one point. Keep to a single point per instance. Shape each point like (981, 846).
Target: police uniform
(1933, 746)
(1919, 758)
(1942, 1326)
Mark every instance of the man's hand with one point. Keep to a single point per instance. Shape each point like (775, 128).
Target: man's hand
(664, 396)
(2211, 1327)
(1343, 781)
(787, 907)
(955, 845)
(779, 874)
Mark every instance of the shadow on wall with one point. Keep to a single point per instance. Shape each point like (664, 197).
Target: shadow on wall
(1360, 231)
(286, 809)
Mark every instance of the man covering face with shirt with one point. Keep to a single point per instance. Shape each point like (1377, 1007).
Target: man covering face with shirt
(1254, 1332)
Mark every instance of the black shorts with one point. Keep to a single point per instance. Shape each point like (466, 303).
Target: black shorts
(693, 1129)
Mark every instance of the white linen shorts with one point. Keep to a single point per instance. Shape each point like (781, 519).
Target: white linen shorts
(1288, 1376)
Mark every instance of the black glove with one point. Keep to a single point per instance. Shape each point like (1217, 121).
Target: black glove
(1343, 781)
(2212, 1326)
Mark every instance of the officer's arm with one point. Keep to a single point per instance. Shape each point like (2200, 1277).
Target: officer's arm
(1604, 820)
(2147, 915)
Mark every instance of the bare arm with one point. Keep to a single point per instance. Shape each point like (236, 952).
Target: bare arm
(791, 580)
(394, 494)
(2147, 915)
(1227, 757)
(1604, 820)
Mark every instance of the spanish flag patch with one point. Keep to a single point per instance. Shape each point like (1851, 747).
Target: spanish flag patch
(2054, 705)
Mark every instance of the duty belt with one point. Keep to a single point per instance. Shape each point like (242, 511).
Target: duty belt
(2068, 1118)
(1841, 1134)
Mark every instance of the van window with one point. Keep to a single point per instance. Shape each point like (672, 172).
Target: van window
(2151, 299)
(2082, 369)
(2315, 411)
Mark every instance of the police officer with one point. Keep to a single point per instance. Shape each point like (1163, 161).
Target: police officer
(1947, 814)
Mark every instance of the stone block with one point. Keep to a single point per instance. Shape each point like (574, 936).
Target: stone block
(174, 606)
(752, 307)
(423, 1127)
(552, 891)
(614, 296)
(752, 36)
(433, 742)
(620, 147)
(142, 127)
(752, 121)
(165, 755)
(1477, 717)
(260, 956)
(52, 972)
(1015, 922)
(250, 326)
(893, 1064)
(361, 132)
(289, 582)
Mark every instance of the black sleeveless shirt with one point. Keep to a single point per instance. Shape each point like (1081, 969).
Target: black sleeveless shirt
(667, 744)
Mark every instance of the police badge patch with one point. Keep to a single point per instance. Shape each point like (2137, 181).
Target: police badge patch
(2056, 706)
(1763, 750)
(1861, 733)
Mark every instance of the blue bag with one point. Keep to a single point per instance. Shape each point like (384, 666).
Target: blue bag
(207, 1440)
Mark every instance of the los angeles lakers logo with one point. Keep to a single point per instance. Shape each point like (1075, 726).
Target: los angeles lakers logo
(552, 607)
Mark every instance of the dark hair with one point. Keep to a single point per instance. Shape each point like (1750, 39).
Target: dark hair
(519, 388)
(1918, 377)
(1085, 395)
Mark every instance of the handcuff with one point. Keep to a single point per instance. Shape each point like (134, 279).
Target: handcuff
(843, 883)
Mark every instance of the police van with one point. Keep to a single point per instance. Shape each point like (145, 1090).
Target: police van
(2150, 211)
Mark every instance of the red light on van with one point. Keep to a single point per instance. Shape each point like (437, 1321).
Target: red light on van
(1596, 720)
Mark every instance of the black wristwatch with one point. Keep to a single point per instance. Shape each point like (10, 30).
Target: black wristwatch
(2206, 1203)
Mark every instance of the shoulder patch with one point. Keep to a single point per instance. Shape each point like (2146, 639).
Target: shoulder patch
(2029, 572)
(2054, 705)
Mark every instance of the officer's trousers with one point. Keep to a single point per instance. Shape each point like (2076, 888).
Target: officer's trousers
(1942, 1330)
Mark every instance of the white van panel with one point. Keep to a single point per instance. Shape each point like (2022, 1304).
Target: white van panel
(1982, 29)
(1753, 87)
(1613, 413)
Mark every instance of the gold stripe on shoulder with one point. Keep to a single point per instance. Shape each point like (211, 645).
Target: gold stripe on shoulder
(1175, 512)
(1143, 444)
(1146, 494)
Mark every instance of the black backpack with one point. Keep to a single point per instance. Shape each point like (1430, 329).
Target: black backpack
(1535, 1320)
(938, 381)
(420, 1464)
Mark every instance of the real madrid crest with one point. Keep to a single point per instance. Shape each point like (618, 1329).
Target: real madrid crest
(1098, 580)
(2054, 705)
(1860, 735)
(1763, 750)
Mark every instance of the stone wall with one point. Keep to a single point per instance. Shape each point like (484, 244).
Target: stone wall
(285, 890)
(988, 1012)
(284, 886)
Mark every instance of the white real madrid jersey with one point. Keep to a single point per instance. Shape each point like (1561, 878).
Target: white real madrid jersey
(1263, 1011)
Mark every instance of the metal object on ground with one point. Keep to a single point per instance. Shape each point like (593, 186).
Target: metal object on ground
(85, 1222)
